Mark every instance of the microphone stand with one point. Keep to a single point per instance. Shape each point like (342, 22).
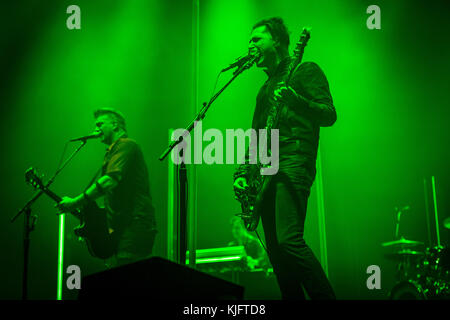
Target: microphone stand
(30, 223)
(182, 181)
(397, 223)
(399, 212)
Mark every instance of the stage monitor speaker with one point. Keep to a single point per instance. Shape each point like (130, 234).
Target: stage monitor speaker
(157, 278)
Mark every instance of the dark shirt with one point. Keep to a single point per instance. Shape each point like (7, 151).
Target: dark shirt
(300, 123)
(131, 198)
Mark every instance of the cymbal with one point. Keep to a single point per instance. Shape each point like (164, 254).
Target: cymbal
(404, 254)
(402, 242)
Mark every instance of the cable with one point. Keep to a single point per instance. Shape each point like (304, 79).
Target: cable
(215, 85)
(62, 156)
(260, 241)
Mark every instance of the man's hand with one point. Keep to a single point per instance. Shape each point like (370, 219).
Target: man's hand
(286, 95)
(68, 204)
(240, 183)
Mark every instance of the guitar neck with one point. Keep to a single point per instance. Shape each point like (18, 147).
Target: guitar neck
(292, 67)
(58, 199)
(52, 195)
(299, 57)
(295, 63)
(298, 51)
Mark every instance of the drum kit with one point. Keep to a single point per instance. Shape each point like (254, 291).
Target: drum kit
(422, 273)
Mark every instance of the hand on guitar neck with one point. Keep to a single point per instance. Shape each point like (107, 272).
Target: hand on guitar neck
(68, 204)
(287, 95)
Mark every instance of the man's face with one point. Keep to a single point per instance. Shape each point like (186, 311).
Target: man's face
(261, 40)
(107, 125)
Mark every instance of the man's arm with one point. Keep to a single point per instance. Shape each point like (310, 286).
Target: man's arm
(116, 168)
(309, 94)
(316, 93)
(96, 190)
(240, 175)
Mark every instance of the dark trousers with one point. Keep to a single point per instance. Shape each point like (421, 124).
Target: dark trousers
(294, 263)
(134, 243)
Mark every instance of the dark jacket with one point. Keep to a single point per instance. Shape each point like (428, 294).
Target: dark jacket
(300, 123)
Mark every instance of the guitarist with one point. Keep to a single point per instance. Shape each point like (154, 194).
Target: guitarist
(124, 184)
(309, 106)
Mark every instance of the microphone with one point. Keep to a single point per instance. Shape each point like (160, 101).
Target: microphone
(96, 134)
(239, 62)
(405, 208)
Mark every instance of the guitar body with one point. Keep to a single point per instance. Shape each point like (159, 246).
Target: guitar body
(93, 229)
(251, 199)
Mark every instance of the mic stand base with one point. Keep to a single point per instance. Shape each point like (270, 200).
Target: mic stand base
(29, 223)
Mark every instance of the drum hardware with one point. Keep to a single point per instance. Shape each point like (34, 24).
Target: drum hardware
(400, 255)
(421, 275)
(407, 254)
(402, 242)
(408, 290)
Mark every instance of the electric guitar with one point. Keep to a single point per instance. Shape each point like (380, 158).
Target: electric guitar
(251, 197)
(93, 226)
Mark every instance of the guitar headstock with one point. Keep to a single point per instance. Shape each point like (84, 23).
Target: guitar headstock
(302, 42)
(32, 178)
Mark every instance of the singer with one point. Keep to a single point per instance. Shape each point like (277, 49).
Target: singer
(124, 184)
(308, 106)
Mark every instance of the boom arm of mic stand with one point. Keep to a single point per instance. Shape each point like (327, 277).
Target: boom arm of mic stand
(206, 106)
(40, 192)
